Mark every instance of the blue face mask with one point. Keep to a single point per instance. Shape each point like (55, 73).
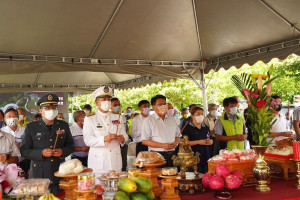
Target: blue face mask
(233, 110)
(117, 109)
(176, 115)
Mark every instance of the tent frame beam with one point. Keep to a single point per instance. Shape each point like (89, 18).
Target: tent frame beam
(279, 15)
(93, 61)
(254, 52)
(106, 28)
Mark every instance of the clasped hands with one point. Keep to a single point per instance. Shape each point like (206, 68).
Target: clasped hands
(168, 146)
(52, 152)
(110, 137)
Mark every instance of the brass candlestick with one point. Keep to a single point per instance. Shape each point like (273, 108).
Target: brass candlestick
(298, 173)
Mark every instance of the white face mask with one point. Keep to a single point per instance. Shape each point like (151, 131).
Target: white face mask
(12, 121)
(86, 112)
(171, 112)
(146, 111)
(21, 117)
(105, 105)
(163, 109)
(51, 114)
(233, 110)
(199, 119)
(214, 113)
(296, 105)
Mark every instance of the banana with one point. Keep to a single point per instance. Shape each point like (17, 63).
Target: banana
(42, 197)
(54, 197)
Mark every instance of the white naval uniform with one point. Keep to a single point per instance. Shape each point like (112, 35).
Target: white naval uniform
(103, 156)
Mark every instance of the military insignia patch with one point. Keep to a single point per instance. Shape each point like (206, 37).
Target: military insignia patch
(99, 125)
(115, 122)
(106, 89)
(50, 97)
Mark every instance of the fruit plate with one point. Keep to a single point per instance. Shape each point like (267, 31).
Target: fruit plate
(147, 165)
(86, 170)
(225, 193)
(169, 176)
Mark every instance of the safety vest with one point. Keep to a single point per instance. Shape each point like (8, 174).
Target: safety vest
(233, 129)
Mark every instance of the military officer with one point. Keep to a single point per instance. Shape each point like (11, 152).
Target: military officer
(103, 133)
(47, 142)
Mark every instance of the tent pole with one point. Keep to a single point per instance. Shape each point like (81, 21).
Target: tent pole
(204, 96)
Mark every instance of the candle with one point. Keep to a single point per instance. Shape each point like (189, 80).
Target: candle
(296, 149)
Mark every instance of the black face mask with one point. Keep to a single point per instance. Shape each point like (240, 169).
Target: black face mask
(279, 108)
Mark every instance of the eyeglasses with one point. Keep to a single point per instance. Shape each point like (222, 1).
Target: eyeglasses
(50, 108)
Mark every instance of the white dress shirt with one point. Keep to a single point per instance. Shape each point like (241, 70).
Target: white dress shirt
(103, 156)
(17, 134)
(158, 130)
(136, 128)
(77, 134)
(280, 125)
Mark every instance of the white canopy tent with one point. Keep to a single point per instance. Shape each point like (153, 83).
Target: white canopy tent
(76, 45)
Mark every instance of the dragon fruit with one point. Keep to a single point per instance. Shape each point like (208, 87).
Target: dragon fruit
(205, 179)
(239, 175)
(232, 182)
(216, 182)
(222, 170)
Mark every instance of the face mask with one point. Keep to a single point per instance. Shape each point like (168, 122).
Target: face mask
(61, 119)
(51, 114)
(12, 121)
(163, 109)
(117, 109)
(233, 110)
(146, 111)
(186, 115)
(214, 113)
(279, 108)
(86, 111)
(171, 112)
(1, 124)
(128, 112)
(199, 119)
(105, 105)
(296, 105)
(21, 117)
(176, 115)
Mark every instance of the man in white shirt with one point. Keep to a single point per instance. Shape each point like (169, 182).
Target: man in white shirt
(279, 129)
(81, 150)
(103, 133)
(296, 115)
(160, 131)
(137, 123)
(9, 151)
(116, 110)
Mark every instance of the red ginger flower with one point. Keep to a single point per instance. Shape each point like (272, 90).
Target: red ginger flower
(260, 104)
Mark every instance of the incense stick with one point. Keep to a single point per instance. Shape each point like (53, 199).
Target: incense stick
(57, 133)
(183, 128)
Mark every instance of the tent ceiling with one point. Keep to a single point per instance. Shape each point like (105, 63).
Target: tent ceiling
(231, 32)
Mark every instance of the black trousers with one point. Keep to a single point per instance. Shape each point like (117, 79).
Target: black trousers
(124, 150)
(140, 147)
(168, 157)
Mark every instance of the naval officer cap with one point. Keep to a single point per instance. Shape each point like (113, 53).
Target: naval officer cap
(103, 91)
(48, 99)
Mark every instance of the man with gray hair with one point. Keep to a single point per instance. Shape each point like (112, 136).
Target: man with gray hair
(210, 120)
(81, 150)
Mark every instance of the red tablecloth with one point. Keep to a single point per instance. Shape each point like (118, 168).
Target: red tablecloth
(280, 189)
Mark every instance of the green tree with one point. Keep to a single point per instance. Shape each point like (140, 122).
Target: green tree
(183, 92)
